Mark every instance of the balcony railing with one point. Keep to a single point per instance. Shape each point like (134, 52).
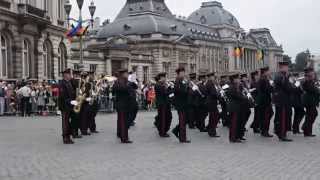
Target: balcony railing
(31, 10)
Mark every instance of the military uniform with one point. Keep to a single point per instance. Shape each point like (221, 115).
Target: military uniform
(75, 118)
(225, 116)
(133, 108)
(121, 90)
(282, 91)
(212, 106)
(85, 108)
(236, 98)
(264, 103)
(299, 112)
(202, 108)
(66, 95)
(164, 117)
(193, 105)
(311, 102)
(255, 125)
(181, 89)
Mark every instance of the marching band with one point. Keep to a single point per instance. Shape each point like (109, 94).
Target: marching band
(229, 98)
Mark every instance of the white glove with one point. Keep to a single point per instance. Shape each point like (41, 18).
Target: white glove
(74, 102)
(88, 99)
(194, 88)
(171, 95)
(249, 95)
(225, 87)
(253, 89)
(297, 84)
(271, 82)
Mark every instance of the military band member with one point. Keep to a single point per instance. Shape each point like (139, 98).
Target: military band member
(296, 100)
(264, 101)
(121, 89)
(223, 102)
(75, 118)
(255, 125)
(202, 109)
(282, 91)
(85, 108)
(235, 98)
(193, 104)
(94, 104)
(163, 94)
(246, 104)
(181, 99)
(212, 105)
(310, 100)
(66, 96)
(133, 83)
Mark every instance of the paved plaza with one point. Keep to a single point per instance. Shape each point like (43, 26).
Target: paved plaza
(32, 149)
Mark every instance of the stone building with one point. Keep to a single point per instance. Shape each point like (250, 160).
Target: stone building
(147, 38)
(33, 43)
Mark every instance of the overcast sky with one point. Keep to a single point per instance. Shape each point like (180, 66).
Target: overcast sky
(293, 23)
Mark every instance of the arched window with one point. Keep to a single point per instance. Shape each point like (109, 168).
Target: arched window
(48, 66)
(26, 59)
(62, 63)
(3, 56)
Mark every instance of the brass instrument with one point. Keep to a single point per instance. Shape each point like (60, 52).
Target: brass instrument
(195, 87)
(81, 97)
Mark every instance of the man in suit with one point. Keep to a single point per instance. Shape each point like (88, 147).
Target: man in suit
(66, 98)
(181, 100)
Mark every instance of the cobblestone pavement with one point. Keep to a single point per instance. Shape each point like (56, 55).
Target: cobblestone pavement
(31, 149)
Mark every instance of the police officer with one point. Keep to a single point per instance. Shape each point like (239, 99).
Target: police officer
(264, 101)
(66, 96)
(236, 98)
(163, 94)
(282, 91)
(212, 105)
(255, 125)
(296, 100)
(310, 100)
(181, 99)
(121, 90)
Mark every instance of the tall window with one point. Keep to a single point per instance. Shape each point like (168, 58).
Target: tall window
(166, 67)
(145, 73)
(62, 63)
(60, 9)
(45, 60)
(4, 56)
(93, 67)
(25, 59)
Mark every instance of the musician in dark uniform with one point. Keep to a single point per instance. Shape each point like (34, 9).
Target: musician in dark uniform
(66, 96)
(75, 118)
(310, 100)
(193, 104)
(236, 98)
(212, 105)
(121, 90)
(246, 104)
(282, 91)
(202, 110)
(181, 99)
(296, 100)
(85, 108)
(264, 101)
(223, 102)
(134, 107)
(255, 125)
(94, 105)
(163, 94)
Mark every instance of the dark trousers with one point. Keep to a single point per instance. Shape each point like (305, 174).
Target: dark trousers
(92, 120)
(164, 119)
(25, 106)
(256, 119)
(265, 115)
(122, 126)
(213, 122)
(244, 118)
(181, 127)
(192, 116)
(75, 122)
(234, 127)
(84, 118)
(66, 126)
(225, 115)
(200, 116)
(281, 121)
(298, 116)
(311, 115)
(133, 113)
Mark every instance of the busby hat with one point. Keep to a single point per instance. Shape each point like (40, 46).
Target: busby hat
(180, 69)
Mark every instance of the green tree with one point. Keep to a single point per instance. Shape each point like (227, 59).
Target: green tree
(302, 60)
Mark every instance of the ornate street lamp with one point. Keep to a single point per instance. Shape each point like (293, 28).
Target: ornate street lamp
(92, 10)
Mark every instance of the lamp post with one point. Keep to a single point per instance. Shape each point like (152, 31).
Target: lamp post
(92, 9)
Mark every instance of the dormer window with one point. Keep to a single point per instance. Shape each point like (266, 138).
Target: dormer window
(126, 27)
(173, 27)
(203, 20)
(141, 8)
